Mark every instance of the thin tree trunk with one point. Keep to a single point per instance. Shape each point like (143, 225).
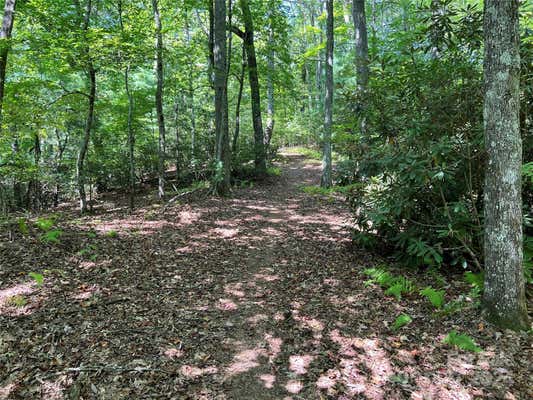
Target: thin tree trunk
(191, 89)
(361, 57)
(328, 101)
(84, 146)
(131, 139)
(177, 135)
(159, 100)
(80, 165)
(211, 44)
(239, 100)
(5, 36)
(131, 134)
(36, 184)
(270, 90)
(222, 150)
(259, 145)
(504, 298)
(59, 158)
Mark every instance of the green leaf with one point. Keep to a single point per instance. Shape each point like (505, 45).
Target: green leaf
(435, 297)
(401, 321)
(462, 341)
(38, 278)
(44, 224)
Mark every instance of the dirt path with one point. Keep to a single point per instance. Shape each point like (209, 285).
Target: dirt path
(256, 297)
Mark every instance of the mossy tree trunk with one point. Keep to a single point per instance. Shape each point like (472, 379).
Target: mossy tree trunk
(504, 299)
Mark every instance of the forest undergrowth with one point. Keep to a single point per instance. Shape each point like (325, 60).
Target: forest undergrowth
(260, 295)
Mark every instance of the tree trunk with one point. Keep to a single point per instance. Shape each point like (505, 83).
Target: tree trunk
(159, 100)
(328, 101)
(361, 56)
(504, 299)
(80, 165)
(84, 146)
(222, 150)
(259, 145)
(191, 88)
(131, 134)
(5, 36)
(270, 90)
(239, 101)
(131, 139)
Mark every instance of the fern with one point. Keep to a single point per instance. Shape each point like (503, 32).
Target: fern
(52, 236)
(401, 321)
(395, 285)
(435, 297)
(462, 341)
(44, 224)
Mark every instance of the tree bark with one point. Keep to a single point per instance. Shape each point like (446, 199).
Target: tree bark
(361, 56)
(328, 100)
(131, 134)
(239, 101)
(270, 90)
(259, 145)
(5, 36)
(159, 100)
(84, 146)
(222, 150)
(504, 299)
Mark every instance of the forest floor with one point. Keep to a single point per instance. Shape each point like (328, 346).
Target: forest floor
(257, 296)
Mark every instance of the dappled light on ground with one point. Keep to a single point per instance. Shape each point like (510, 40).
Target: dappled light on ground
(258, 296)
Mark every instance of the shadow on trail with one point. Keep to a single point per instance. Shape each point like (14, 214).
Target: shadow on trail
(259, 296)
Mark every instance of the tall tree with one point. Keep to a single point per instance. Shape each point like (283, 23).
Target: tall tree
(270, 82)
(159, 99)
(328, 100)
(361, 55)
(131, 134)
(222, 150)
(91, 100)
(5, 36)
(504, 295)
(253, 77)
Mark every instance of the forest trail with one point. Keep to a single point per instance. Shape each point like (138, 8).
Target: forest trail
(258, 296)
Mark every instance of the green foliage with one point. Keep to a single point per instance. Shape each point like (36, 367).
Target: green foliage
(435, 297)
(38, 278)
(462, 341)
(307, 152)
(111, 234)
(475, 279)
(528, 259)
(394, 285)
(17, 301)
(420, 162)
(401, 321)
(23, 226)
(52, 236)
(274, 171)
(44, 224)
